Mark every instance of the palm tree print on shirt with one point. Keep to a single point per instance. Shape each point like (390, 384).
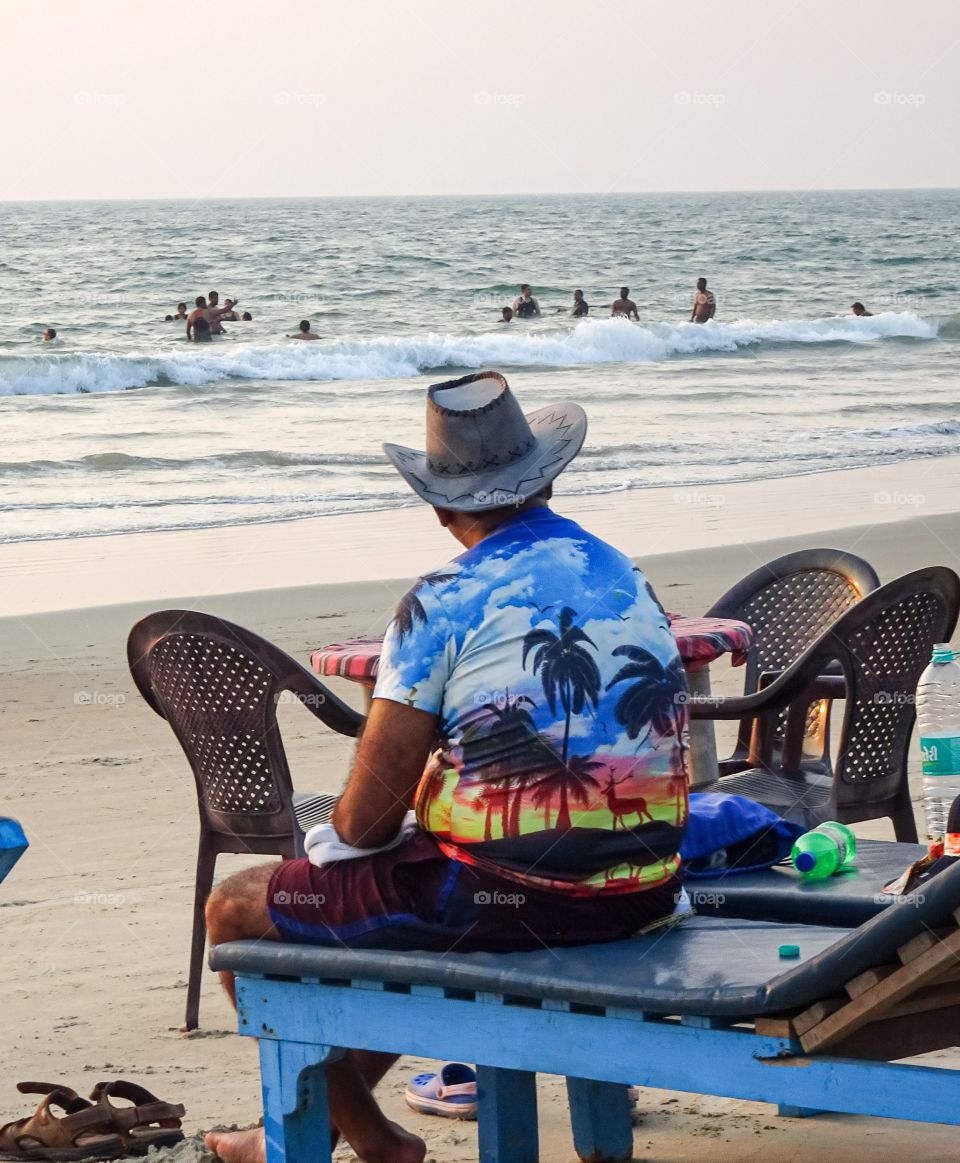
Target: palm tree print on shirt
(567, 670)
(566, 782)
(410, 609)
(651, 700)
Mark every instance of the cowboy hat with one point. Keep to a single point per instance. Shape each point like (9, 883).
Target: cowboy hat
(482, 452)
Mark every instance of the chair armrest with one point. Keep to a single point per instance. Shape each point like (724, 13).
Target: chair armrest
(330, 710)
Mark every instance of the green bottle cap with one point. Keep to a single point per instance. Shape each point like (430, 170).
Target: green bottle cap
(789, 950)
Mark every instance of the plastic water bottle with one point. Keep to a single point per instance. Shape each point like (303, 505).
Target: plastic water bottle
(938, 720)
(829, 848)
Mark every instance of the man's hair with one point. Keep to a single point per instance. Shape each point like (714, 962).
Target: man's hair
(624, 291)
(200, 301)
(50, 331)
(578, 292)
(506, 310)
(247, 316)
(701, 284)
(858, 307)
(214, 296)
(525, 287)
(304, 324)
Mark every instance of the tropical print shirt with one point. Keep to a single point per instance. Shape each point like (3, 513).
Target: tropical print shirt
(559, 691)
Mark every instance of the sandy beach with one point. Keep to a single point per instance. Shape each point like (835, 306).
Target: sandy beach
(96, 917)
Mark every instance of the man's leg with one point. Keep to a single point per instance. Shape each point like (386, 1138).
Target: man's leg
(237, 911)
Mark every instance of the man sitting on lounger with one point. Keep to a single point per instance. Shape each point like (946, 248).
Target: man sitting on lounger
(529, 708)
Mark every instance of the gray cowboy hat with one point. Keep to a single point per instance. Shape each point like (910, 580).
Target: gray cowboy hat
(482, 452)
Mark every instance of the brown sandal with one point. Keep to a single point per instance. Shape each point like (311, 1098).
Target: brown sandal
(146, 1123)
(84, 1132)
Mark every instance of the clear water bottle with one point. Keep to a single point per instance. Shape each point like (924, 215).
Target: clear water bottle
(829, 848)
(938, 723)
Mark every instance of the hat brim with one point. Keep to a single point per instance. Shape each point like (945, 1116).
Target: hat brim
(558, 430)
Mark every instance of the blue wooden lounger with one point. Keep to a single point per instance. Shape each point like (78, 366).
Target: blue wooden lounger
(708, 1006)
(13, 844)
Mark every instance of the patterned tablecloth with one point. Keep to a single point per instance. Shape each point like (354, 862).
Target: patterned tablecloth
(701, 641)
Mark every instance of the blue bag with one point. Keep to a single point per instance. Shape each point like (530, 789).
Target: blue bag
(728, 834)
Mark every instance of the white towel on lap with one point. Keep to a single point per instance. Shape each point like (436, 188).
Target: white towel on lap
(324, 846)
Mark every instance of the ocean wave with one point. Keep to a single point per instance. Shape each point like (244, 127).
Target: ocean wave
(592, 341)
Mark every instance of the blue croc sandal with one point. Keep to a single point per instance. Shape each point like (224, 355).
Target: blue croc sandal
(451, 1094)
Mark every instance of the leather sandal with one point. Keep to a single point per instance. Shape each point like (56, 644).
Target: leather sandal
(146, 1123)
(83, 1132)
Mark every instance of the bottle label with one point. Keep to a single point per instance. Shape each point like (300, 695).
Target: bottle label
(940, 755)
(837, 836)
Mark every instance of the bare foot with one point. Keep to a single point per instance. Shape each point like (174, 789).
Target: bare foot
(400, 1147)
(239, 1146)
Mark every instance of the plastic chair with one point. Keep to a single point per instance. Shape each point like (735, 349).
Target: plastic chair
(872, 657)
(788, 603)
(218, 686)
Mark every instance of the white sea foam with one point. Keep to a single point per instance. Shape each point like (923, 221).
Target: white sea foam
(592, 341)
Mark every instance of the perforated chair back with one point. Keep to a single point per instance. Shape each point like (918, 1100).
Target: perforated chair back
(788, 603)
(218, 686)
(884, 647)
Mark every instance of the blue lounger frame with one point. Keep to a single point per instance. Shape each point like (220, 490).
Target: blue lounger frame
(703, 1007)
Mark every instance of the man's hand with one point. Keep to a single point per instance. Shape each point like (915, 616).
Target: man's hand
(393, 751)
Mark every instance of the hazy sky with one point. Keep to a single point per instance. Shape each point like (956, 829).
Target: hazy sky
(111, 99)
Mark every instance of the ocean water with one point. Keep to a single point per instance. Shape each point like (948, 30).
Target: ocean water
(122, 425)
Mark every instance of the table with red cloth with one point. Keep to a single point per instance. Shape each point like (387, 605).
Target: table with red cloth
(699, 640)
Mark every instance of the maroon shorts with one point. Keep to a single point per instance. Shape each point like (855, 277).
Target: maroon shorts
(415, 897)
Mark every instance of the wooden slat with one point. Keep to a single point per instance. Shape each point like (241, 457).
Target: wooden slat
(817, 1013)
(778, 1027)
(864, 981)
(903, 1036)
(876, 1001)
(940, 996)
(912, 949)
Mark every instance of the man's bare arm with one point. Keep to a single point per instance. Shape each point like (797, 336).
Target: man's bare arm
(394, 748)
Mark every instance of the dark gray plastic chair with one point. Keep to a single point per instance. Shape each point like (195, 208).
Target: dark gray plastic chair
(218, 686)
(788, 603)
(872, 657)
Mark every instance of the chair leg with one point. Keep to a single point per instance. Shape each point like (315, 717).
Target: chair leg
(600, 1117)
(506, 1116)
(206, 862)
(296, 1116)
(904, 820)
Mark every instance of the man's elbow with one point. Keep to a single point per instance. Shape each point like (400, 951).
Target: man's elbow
(355, 829)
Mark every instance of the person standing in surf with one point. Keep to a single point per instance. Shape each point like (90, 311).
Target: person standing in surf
(580, 305)
(704, 303)
(624, 307)
(525, 306)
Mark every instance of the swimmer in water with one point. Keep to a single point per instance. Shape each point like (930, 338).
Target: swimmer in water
(861, 312)
(506, 314)
(246, 317)
(200, 312)
(704, 303)
(49, 335)
(624, 307)
(214, 312)
(525, 306)
(229, 312)
(580, 305)
(181, 311)
(304, 332)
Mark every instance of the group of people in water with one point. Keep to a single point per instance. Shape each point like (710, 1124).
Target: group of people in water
(525, 306)
(207, 317)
